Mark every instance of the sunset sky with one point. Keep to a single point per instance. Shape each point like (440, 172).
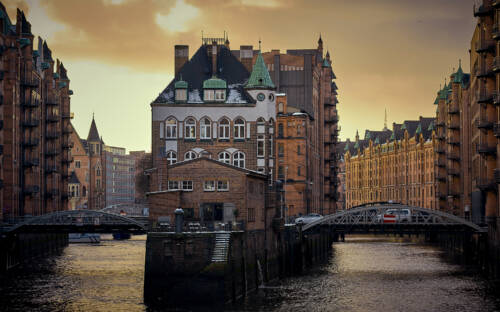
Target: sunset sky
(389, 54)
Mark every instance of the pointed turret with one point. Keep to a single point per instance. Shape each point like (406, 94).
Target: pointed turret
(93, 133)
(357, 136)
(259, 78)
(385, 120)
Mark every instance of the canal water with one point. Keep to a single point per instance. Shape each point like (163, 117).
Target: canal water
(363, 274)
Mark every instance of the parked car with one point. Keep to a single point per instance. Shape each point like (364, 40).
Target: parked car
(308, 218)
(395, 215)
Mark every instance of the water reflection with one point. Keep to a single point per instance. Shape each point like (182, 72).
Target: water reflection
(364, 274)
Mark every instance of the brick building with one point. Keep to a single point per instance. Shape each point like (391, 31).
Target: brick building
(89, 166)
(395, 165)
(212, 191)
(34, 123)
(119, 176)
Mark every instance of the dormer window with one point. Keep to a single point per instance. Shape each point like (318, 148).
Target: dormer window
(181, 87)
(220, 95)
(214, 90)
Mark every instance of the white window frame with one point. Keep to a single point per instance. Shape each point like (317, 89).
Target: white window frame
(187, 185)
(209, 95)
(239, 128)
(173, 185)
(261, 150)
(220, 185)
(205, 128)
(190, 155)
(190, 128)
(220, 95)
(226, 159)
(209, 185)
(224, 129)
(171, 128)
(171, 157)
(181, 95)
(239, 159)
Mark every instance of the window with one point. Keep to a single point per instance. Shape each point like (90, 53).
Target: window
(98, 183)
(171, 157)
(298, 149)
(98, 172)
(280, 130)
(190, 155)
(208, 95)
(209, 186)
(187, 185)
(239, 160)
(220, 95)
(222, 185)
(260, 146)
(225, 157)
(280, 107)
(205, 129)
(190, 129)
(77, 164)
(181, 95)
(171, 127)
(298, 171)
(281, 149)
(239, 129)
(173, 185)
(224, 129)
(281, 174)
(251, 214)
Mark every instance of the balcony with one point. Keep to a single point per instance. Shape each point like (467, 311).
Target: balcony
(453, 142)
(487, 149)
(482, 10)
(52, 152)
(52, 135)
(442, 196)
(440, 178)
(30, 103)
(52, 117)
(485, 45)
(453, 172)
(486, 184)
(67, 159)
(496, 98)
(67, 145)
(453, 194)
(484, 71)
(65, 175)
(66, 115)
(51, 101)
(496, 174)
(453, 156)
(454, 126)
(496, 129)
(483, 123)
(31, 189)
(332, 120)
(441, 137)
(52, 192)
(51, 169)
(31, 142)
(64, 195)
(440, 163)
(440, 150)
(440, 124)
(29, 82)
(67, 131)
(453, 110)
(31, 162)
(496, 64)
(484, 96)
(31, 123)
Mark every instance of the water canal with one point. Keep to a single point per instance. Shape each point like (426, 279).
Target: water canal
(363, 274)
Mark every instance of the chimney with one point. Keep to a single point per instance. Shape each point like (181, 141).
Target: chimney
(214, 58)
(181, 57)
(246, 56)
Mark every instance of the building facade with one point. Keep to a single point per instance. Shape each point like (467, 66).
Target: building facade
(120, 176)
(34, 123)
(392, 165)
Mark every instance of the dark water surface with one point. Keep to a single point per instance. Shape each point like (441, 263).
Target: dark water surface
(363, 274)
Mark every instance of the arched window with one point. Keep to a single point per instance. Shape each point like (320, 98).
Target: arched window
(190, 155)
(280, 107)
(205, 128)
(225, 157)
(190, 128)
(224, 129)
(239, 159)
(171, 128)
(280, 130)
(239, 129)
(261, 121)
(98, 171)
(171, 157)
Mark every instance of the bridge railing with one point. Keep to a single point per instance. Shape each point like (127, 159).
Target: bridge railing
(196, 226)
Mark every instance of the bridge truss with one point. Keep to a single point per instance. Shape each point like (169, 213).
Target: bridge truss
(79, 221)
(372, 218)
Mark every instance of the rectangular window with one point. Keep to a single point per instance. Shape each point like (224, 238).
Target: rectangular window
(298, 171)
(173, 185)
(220, 95)
(181, 95)
(281, 149)
(222, 185)
(251, 214)
(209, 186)
(208, 95)
(260, 146)
(187, 185)
(77, 164)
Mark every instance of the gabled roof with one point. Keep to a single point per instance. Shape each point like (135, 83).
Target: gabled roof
(93, 133)
(73, 179)
(259, 78)
(199, 69)
(247, 171)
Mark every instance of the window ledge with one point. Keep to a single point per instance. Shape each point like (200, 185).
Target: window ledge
(224, 140)
(205, 140)
(189, 140)
(239, 140)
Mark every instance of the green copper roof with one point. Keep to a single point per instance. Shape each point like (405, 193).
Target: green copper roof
(259, 78)
(393, 136)
(181, 84)
(326, 63)
(377, 141)
(56, 75)
(45, 65)
(62, 84)
(36, 53)
(23, 42)
(459, 75)
(367, 136)
(356, 146)
(431, 126)
(419, 129)
(214, 83)
(346, 148)
(403, 127)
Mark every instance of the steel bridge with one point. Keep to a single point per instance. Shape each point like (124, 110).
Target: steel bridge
(77, 221)
(394, 218)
